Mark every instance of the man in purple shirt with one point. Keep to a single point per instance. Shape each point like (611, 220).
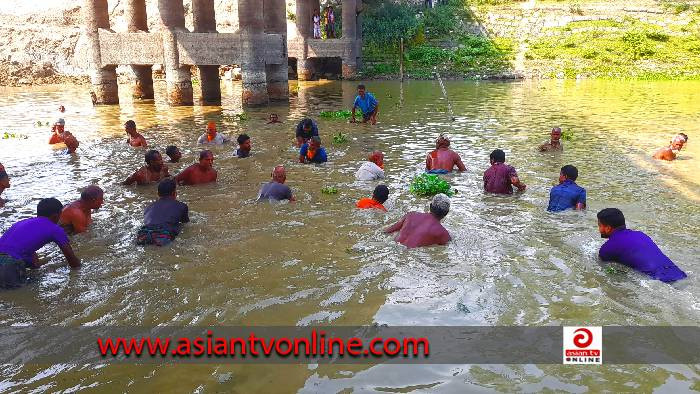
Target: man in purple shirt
(500, 177)
(19, 244)
(634, 248)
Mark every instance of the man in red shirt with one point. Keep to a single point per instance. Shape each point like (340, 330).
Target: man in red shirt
(198, 173)
(443, 159)
(379, 197)
(501, 178)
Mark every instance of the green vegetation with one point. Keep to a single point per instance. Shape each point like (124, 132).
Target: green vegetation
(329, 190)
(567, 135)
(435, 39)
(340, 138)
(7, 136)
(342, 114)
(627, 49)
(426, 185)
(41, 124)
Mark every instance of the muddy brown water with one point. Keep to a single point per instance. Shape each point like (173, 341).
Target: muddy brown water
(322, 262)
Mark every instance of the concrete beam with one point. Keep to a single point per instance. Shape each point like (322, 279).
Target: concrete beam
(104, 79)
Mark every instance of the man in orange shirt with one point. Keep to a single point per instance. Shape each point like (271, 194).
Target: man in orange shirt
(379, 197)
(76, 217)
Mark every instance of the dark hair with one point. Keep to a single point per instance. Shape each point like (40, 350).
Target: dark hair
(205, 153)
(242, 138)
(130, 124)
(570, 172)
(498, 156)
(361, 86)
(151, 155)
(91, 193)
(170, 150)
(166, 187)
(612, 217)
(3, 174)
(48, 207)
(439, 212)
(381, 193)
(307, 123)
(684, 136)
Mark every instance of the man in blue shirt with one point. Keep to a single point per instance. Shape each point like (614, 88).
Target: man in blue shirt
(634, 248)
(567, 194)
(311, 152)
(367, 103)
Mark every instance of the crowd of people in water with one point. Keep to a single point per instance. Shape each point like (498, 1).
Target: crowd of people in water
(164, 218)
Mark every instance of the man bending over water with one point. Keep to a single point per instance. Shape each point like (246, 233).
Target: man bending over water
(77, 216)
(634, 248)
(670, 152)
(424, 229)
(198, 173)
(163, 219)
(312, 152)
(554, 143)
(19, 244)
(500, 177)
(443, 159)
(153, 171)
(367, 103)
(135, 138)
(4, 183)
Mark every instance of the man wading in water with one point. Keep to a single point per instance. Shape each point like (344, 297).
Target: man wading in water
(670, 152)
(554, 143)
(424, 229)
(443, 159)
(77, 216)
(202, 172)
(153, 171)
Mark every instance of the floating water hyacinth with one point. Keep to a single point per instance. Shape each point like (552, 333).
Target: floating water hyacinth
(329, 190)
(611, 270)
(340, 138)
(427, 185)
(567, 135)
(7, 136)
(340, 115)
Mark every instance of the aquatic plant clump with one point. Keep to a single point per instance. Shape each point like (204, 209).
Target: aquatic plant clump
(427, 185)
(339, 115)
(329, 190)
(340, 138)
(567, 135)
(7, 136)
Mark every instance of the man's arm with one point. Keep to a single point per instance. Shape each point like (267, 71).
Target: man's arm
(428, 163)
(581, 201)
(143, 142)
(458, 163)
(516, 182)
(352, 118)
(182, 178)
(373, 115)
(302, 153)
(395, 227)
(202, 138)
(71, 258)
(607, 251)
(135, 177)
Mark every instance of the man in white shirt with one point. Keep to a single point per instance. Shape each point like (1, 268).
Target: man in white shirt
(373, 168)
(212, 137)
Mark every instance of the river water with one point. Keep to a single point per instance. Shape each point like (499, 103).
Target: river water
(322, 262)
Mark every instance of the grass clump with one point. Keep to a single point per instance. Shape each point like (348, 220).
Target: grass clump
(340, 138)
(7, 136)
(329, 190)
(427, 185)
(336, 115)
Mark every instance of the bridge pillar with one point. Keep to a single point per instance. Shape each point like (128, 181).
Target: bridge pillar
(104, 79)
(277, 74)
(204, 18)
(136, 19)
(305, 30)
(252, 28)
(177, 76)
(350, 28)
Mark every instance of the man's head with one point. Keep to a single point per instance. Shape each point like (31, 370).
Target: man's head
(381, 194)
(4, 179)
(377, 158)
(130, 127)
(497, 156)
(167, 188)
(274, 118)
(49, 208)
(556, 134)
(679, 141)
(154, 160)
(361, 90)
(442, 142)
(315, 142)
(92, 197)
(206, 159)
(61, 109)
(60, 125)
(173, 153)
(307, 124)
(440, 206)
(568, 172)
(610, 219)
(244, 142)
(279, 174)
(211, 128)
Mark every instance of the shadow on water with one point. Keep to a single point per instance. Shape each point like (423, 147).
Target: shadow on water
(321, 262)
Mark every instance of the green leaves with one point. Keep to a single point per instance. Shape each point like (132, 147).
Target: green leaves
(427, 185)
(329, 190)
(342, 114)
(7, 136)
(567, 135)
(340, 138)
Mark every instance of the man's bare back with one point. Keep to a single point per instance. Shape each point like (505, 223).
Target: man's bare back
(665, 154)
(420, 229)
(146, 175)
(444, 159)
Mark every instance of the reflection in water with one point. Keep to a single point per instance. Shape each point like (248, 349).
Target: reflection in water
(322, 262)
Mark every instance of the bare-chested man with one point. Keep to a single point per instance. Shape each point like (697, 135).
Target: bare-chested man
(671, 152)
(443, 159)
(274, 118)
(424, 229)
(57, 131)
(554, 144)
(198, 173)
(4, 183)
(135, 139)
(153, 171)
(76, 217)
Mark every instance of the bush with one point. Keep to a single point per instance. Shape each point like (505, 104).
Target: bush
(637, 44)
(388, 23)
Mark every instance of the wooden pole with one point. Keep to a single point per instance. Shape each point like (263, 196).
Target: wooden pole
(401, 60)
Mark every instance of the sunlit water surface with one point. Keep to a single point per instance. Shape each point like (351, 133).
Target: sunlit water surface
(320, 261)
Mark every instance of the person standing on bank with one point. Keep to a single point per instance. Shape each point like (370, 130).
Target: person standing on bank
(330, 22)
(367, 103)
(19, 244)
(317, 24)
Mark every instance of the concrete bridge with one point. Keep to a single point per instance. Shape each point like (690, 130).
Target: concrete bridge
(260, 46)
